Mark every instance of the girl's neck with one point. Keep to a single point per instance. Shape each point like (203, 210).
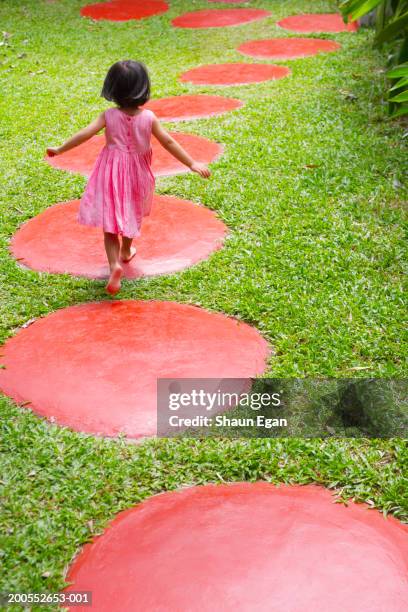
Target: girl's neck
(129, 111)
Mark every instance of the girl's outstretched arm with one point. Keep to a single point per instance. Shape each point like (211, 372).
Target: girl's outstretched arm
(177, 151)
(85, 134)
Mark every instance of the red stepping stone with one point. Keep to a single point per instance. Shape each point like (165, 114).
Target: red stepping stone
(330, 22)
(175, 236)
(179, 108)
(124, 10)
(287, 48)
(246, 546)
(219, 18)
(234, 74)
(94, 367)
(82, 158)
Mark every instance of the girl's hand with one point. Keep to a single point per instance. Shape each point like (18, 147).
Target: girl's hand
(201, 169)
(53, 151)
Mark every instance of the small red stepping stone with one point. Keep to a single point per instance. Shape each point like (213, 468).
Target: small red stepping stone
(234, 74)
(124, 10)
(246, 547)
(179, 108)
(219, 18)
(82, 158)
(94, 367)
(175, 236)
(287, 48)
(329, 22)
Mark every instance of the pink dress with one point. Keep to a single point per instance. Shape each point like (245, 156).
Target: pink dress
(120, 189)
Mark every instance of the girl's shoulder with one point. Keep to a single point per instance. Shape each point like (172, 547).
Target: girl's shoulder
(110, 112)
(148, 113)
(146, 117)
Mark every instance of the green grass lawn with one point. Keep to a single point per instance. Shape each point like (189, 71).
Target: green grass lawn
(311, 185)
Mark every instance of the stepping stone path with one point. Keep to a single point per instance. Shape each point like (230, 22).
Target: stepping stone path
(124, 10)
(177, 235)
(94, 367)
(234, 74)
(287, 48)
(179, 108)
(56, 352)
(246, 546)
(219, 18)
(82, 158)
(330, 22)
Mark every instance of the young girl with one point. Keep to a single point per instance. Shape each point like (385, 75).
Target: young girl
(120, 189)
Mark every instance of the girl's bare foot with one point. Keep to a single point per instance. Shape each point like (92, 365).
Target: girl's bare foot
(113, 286)
(127, 256)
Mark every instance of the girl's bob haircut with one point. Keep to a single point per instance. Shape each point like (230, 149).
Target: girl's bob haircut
(127, 84)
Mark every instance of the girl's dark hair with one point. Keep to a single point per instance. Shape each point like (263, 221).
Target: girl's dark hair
(127, 84)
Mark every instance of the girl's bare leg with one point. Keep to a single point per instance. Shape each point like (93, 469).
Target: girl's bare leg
(112, 248)
(127, 251)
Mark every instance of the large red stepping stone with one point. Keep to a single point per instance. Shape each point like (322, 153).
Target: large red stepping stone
(82, 158)
(234, 74)
(246, 547)
(124, 10)
(287, 48)
(219, 18)
(179, 108)
(94, 367)
(330, 22)
(175, 236)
